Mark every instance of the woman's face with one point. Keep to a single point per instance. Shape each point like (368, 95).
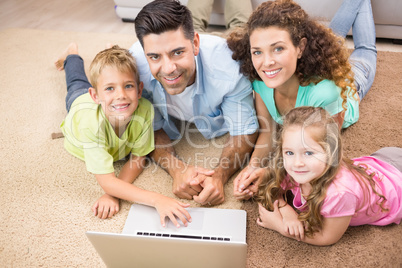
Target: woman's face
(274, 56)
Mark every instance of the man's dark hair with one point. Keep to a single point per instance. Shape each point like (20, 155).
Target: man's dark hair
(160, 16)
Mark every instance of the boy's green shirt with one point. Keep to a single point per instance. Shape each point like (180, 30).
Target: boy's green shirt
(90, 137)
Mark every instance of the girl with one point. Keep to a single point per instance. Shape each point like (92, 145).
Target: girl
(294, 61)
(330, 192)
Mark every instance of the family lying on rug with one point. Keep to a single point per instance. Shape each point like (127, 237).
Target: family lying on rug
(306, 89)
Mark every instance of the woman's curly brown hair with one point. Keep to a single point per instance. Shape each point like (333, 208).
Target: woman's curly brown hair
(325, 55)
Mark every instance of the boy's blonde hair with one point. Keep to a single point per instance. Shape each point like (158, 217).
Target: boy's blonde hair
(114, 57)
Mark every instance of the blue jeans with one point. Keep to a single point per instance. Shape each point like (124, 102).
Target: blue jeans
(358, 15)
(76, 80)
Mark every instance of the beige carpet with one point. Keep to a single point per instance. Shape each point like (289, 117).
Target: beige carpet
(46, 194)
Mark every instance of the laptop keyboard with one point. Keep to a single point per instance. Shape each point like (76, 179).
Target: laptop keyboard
(215, 238)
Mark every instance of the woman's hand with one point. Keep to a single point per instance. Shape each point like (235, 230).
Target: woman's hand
(247, 182)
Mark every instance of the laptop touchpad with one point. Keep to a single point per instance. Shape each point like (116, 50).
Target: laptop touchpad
(197, 221)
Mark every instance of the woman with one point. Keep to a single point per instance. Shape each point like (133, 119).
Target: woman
(294, 61)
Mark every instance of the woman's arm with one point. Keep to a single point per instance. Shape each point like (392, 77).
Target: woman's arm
(339, 118)
(263, 146)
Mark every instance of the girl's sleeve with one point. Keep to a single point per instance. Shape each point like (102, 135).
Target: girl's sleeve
(339, 205)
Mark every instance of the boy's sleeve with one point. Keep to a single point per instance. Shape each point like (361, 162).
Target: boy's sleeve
(97, 159)
(145, 143)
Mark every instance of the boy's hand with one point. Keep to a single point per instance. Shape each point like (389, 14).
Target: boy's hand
(173, 209)
(106, 206)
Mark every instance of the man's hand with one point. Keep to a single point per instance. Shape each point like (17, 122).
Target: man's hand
(182, 186)
(212, 190)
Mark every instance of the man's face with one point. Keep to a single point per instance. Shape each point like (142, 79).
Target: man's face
(171, 59)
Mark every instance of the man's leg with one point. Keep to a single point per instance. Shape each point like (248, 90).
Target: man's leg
(201, 12)
(237, 12)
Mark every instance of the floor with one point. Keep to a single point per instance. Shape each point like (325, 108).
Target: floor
(86, 16)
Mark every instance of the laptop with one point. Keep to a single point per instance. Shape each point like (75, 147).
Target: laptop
(214, 238)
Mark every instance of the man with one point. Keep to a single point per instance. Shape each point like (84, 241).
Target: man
(193, 78)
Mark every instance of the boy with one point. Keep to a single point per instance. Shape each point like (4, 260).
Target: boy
(108, 120)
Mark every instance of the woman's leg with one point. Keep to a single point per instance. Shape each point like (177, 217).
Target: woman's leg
(76, 79)
(358, 15)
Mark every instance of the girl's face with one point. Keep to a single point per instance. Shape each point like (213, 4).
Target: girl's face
(304, 159)
(274, 56)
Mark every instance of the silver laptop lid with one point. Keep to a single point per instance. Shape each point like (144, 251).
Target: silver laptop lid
(207, 224)
(123, 250)
(182, 250)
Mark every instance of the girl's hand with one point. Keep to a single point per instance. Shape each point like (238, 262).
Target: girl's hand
(270, 219)
(169, 207)
(292, 226)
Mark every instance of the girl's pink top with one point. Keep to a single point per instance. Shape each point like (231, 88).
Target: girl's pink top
(345, 196)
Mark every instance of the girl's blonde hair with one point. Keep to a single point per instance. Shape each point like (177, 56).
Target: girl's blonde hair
(113, 57)
(325, 55)
(326, 133)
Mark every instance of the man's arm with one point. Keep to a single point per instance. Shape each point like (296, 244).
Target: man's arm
(165, 156)
(237, 148)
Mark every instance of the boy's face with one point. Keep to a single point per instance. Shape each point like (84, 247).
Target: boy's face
(171, 59)
(118, 93)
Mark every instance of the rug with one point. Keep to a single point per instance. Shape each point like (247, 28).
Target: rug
(46, 194)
